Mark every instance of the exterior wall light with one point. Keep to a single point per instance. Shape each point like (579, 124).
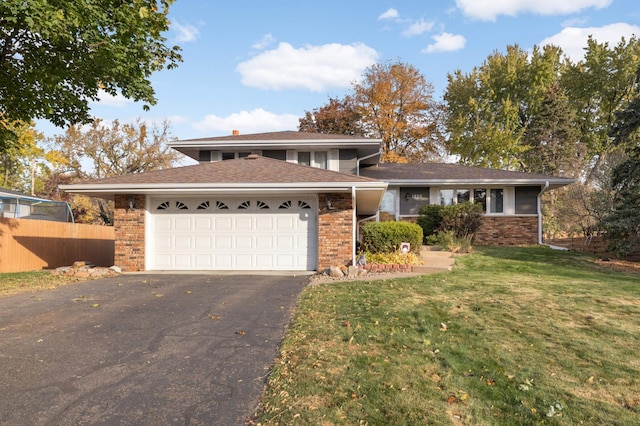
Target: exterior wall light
(329, 203)
(132, 202)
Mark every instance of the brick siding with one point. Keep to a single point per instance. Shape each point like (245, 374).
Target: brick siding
(508, 231)
(129, 233)
(335, 230)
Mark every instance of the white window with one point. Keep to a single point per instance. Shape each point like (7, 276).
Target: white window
(496, 200)
(313, 158)
(492, 200)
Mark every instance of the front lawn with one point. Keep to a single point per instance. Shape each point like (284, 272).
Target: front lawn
(17, 282)
(510, 336)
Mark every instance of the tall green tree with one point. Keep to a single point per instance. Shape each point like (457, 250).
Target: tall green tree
(552, 138)
(623, 224)
(395, 103)
(55, 56)
(598, 87)
(18, 162)
(490, 108)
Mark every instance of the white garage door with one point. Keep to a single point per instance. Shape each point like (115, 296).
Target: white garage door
(232, 234)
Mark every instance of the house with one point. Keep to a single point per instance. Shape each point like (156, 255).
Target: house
(293, 201)
(16, 205)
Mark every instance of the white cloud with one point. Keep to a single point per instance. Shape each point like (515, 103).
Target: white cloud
(418, 28)
(446, 42)
(107, 99)
(186, 33)
(314, 68)
(266, 41)
(489, 10)
(573, 40)
(389, 14)
(255, 121)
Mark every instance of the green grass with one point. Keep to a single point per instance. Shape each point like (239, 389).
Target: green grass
(12, 283)
(533, 336)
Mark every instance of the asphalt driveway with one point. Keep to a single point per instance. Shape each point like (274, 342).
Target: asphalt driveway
(142, 349)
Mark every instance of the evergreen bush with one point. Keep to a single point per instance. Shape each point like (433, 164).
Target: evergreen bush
(386, 237)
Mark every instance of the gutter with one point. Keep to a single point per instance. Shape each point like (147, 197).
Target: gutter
(544, 189)
(365, 158)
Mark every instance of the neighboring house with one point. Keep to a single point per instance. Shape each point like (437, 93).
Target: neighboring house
(16, 205)
(293, 201)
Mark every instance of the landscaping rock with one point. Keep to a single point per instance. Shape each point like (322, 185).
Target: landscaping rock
(86, 270)
(335, 272)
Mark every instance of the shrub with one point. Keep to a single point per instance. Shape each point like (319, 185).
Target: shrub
(449, 242)
(386, 237)
(463, 220)
(430, 218)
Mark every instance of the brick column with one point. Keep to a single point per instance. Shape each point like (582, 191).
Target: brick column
(335, 230)
(129, 232)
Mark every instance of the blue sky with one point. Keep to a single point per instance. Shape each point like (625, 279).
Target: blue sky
(258, 65)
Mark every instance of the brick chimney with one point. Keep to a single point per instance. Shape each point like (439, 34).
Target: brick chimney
(235, 132)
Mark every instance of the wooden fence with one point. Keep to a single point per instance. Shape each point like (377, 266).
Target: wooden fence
(27, 245)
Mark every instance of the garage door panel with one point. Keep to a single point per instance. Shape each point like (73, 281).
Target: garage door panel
(223, 242)
(285, 261)
(181, 223)
(163, 224)
(285, 242)
(243, 261)
(264, 223)
(223, 224)
(203, 223)
(245, 235)
(264, 241)
(203, 261)
(182, 261)
(182, 242)
(243, 223)
(163, 242)
(222, 261)
(264, 261)
(285, 223)
(243, 242)
(204, 242)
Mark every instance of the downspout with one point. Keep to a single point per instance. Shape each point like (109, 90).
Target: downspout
(546, 186)
(364, 158)
(354, 226)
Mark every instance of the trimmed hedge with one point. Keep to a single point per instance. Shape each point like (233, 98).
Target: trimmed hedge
(386, 237)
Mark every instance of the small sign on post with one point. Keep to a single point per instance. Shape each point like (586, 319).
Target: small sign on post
(405, 248)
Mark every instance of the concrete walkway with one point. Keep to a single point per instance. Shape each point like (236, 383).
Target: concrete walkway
(435, 260)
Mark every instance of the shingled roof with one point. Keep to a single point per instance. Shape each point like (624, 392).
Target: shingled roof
(442, 173)
(281, 136)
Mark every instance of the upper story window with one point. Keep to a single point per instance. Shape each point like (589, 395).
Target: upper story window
(234, 155)
(313, 158)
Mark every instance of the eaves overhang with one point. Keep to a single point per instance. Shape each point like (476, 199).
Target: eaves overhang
(109, 191)
(553, 182)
